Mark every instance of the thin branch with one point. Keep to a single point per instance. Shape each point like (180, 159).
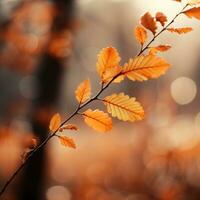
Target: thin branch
(52, 135)
(102, 89)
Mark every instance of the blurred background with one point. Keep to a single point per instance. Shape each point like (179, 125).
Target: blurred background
(47, 47)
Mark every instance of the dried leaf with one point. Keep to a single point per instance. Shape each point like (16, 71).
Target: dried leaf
(110, 73)
(180, 30)
(152, 51)
(119, 79)
(160, 17)
(98, 120)
(193, 12)
(107, 58)
(140, 34)
(55, 122)
(69, 127)
(161, 48)
(145, 67)
(149, 22)
(83, 91)
(67, 142)
(123, 107)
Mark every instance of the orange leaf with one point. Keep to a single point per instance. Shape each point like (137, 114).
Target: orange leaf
(180, 30)
(145, 67)
(152, 51)
(160, 17)
(67, 142)
(69, 127)
(98, 120)
(83, 91)
(55, 122)
(148, 22)
(161, 48)
(193, 12)
(123, 107)
(107, 58)
(140, 34)
(110, 73)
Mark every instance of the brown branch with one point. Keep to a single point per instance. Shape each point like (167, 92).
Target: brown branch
(103, 87)
(52, 135)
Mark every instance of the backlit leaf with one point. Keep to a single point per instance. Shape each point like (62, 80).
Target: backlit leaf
(140, 34)
(98, 120)
(193, 12)
(55, 122)
(69, 127)
(107, 58)
(180, 30)
(67, 142)
(83, 91)
(160, 17)
(143, 67)
(149, 22)
(161, 48)
(110, 73)
(123, 107)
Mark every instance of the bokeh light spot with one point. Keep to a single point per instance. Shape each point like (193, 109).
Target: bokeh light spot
(183, 90)
(58, 193)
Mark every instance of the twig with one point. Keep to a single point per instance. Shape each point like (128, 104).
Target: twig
(103, 87)
(52, 135)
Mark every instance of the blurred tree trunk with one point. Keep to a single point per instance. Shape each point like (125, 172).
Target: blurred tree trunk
(49, 77)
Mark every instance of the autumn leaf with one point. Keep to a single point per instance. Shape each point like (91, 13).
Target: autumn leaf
(123, 107)
(98, 120)
(161, 48)
(193, 12)
(140, 34)
(83, 91)
(149, 22)
(69, 127)
(119, 78)
(145, 67)
(180, 30)
(160, 17)
(66, 141)
(110, 73)
(107, 58)
(55, 122)
(177, 0)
